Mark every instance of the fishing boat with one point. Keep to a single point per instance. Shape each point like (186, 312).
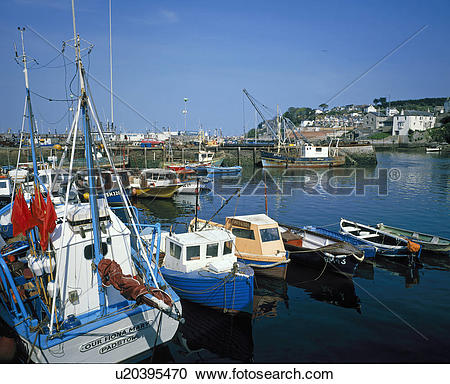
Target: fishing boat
(216, 170)
(192, 184)
(428, 242)
(385, 243)
(87, 290)
(202, 267)
(307, 156)
(106, 182)
(155, 183)
(258, 242)
(320, 251)
(433, 149)
(369, 251)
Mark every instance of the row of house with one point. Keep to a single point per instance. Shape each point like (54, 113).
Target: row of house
(398, 124)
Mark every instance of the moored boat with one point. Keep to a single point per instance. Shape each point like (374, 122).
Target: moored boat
(320, 251)
(216, 170)
(258, 242)
(87, 290)
(155, 183)
(369, 251)
(385, 243)
(202, 267)
(306, 156)
(428, 242)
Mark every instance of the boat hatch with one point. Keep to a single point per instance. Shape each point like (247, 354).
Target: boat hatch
(80, 218)
(212, 249)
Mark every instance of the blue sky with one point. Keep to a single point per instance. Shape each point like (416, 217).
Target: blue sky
(291, 53)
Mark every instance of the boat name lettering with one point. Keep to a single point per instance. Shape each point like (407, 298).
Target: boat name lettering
(240, 223)
(113, 336)
(118, 343)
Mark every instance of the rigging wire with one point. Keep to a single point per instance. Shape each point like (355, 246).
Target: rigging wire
(47, 98)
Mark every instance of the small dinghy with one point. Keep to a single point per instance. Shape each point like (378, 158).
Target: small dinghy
(428, 242)
(319, 251)
(385, 243)
(214, 170)
(202, 267)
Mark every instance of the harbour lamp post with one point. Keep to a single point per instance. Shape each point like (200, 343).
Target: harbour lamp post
(185, 112)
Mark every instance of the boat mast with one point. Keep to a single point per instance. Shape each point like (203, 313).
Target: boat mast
(30, 110)
(110, 69)
(278, 131)
(89, 162)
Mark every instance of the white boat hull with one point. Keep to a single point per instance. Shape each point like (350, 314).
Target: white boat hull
(113, 343)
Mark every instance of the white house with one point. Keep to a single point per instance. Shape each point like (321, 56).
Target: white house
(412, 121)
(392, 111)
(370, 108)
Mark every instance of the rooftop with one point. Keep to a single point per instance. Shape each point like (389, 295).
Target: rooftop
(259, 219)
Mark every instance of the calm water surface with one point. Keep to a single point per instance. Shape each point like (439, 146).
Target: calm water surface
(389, 312)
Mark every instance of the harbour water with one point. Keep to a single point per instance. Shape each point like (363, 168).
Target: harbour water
(388, 313)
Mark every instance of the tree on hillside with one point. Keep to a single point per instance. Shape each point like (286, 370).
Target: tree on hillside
(375, 102)
(297, 115)
(323, 106)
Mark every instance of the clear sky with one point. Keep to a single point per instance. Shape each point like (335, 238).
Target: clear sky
(291, 53)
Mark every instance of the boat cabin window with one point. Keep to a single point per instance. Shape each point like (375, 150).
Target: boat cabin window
(2, 184)
(269, 234)
(175, 250)
(89, 251)
(318, 149)
(193, 252)
(243, 233)
(227, 247)
(212, 250)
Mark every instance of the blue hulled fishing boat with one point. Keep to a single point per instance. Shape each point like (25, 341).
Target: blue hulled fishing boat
(87, 290)
(202, 267)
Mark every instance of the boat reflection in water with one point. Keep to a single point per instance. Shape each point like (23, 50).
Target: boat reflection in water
(409, 272)
(211, 336)
(267, 294)
(167, 212)
(327, 287)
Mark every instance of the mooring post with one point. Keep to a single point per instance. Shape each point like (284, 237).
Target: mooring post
(145, 156)
(239, 155)
(254, 156)
(182, 155)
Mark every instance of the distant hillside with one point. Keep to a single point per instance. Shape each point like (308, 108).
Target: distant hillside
(416, 104)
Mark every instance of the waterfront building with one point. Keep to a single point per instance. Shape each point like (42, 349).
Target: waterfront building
(376, 122)
(408, 121)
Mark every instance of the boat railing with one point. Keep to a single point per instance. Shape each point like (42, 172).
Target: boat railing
(12, 294)
(151, 250)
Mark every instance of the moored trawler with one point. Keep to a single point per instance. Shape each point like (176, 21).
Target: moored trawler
(308, 156)
(83, 287)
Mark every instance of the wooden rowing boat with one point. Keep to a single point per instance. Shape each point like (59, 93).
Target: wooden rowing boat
(428, 242)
